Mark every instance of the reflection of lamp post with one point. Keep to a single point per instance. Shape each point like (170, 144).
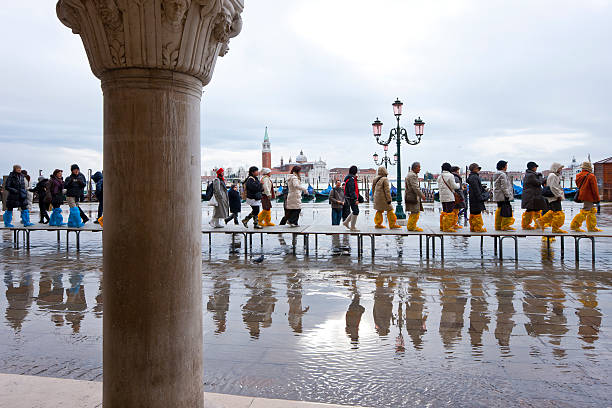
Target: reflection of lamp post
(385, 160)
(398, 134)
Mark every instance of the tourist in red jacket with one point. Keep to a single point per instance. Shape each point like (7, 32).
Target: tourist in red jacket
(588, 194)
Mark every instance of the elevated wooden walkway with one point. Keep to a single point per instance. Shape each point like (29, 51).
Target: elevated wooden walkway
(429, 235)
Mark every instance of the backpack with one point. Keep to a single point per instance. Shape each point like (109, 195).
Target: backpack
(209, 192)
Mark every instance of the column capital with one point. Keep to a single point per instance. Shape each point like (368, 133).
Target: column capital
(184, 36)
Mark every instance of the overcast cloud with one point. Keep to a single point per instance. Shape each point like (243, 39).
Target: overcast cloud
(519, 80)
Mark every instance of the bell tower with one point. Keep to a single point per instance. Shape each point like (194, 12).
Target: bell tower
(266, 152)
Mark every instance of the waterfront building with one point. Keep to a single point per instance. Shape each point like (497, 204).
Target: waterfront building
(603, 172)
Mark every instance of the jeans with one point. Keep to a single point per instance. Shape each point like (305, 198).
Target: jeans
(336, 216)
(100, 207)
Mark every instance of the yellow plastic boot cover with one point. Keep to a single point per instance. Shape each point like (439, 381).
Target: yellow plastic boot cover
(378, 219)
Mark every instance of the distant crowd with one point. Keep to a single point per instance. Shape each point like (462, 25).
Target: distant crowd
(18, 193)
(541, 199)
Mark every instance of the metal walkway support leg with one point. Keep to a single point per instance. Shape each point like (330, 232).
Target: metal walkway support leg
(481, 247)
(306, 244)
(293, 241)
(427, 247)
(562, 247)
(78, 240)
(373, 245)
(27, 240)
(210, 243)
(442, 247)
(421, 246)
(58, 238)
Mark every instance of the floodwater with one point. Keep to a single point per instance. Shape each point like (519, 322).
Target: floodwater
(393, 332)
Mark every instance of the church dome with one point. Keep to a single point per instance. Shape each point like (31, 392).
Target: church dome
(301, 158)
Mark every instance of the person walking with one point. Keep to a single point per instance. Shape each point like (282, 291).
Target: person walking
(74, 185)
(503, 192)
(588, 194)
(29, 189)
(554, 195)
(532, 200)
(98, 178)
(382, 200)
(447, 188)
(351, 198)
(253, 197)
(56, 190)
(460, 193)
(294, 196)
(477, 198)
(235, 204)
(17, 198)
(336, 199)
(44, 199)
(414, 197)
(221, 202)
(265, 216)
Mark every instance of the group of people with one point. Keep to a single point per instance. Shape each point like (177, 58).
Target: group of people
(19, 194)
(541, 199)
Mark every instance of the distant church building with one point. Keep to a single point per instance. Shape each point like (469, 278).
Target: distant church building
(266, 152)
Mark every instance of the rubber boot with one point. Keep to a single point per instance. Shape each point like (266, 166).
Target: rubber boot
(261, 218)
(8, 217)
(507, 224)
(347, 222)
(479, 224)
(448, 222)
(498, 219)
(245, 221)
(378, 220)
(25, 218)
(578, 220)
(353, 222)
(392, 218)
(526, 220)
(256, 224)
(547, 219)
(591, 221)
(412, 222)
(456, 215)
(268, 220)
(74, 219)
(101, 221)
(557, 221)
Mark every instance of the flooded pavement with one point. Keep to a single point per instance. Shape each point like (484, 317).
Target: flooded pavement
(396, 331)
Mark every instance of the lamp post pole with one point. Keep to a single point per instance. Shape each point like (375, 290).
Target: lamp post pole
(398, 133)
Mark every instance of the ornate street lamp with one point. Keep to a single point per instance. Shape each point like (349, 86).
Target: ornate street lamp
(385, 160)
(398, 133)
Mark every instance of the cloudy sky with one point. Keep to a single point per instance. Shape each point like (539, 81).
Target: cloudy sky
(520, 80)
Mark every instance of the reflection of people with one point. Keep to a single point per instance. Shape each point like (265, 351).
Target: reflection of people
(453, 304)
(76, 303)
(353, 318)
(218, 301)
(294, 298)
(415, 317)
(51, 295)
(479, 316)
(383, 305)
(539, 295)
(505, 311)
(19, 299)
(589, 315)
(257, 312)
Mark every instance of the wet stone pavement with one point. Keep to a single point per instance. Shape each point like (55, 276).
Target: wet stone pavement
(395, 332)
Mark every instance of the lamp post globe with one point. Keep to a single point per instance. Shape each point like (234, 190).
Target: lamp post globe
(397, 107)
(377, 127)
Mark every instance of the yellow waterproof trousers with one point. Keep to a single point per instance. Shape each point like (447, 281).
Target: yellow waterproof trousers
(101, 221)
(556, 219)
(527, 219)
(591, 221)
(506, 224)
(476, 223)
(456, 215)
(579, 218)
(448, 222)
(498, 219)
(412, 222)
(378, 220)
(265, 218)
(392, 218)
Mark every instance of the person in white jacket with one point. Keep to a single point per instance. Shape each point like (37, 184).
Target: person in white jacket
(503, 192)
(294, 198)
(555, 215)
(265, 216)
(446, 188)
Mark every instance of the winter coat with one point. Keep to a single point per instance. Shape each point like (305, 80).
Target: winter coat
(97, 178)
(294, 198)
(554, 183)
(382, 191)
(351, 189)
(41, 189)
(17, 192)
(336, 197)
(477, 194)
(235, 202)
(220, 194)
(253, 188)
(502, 189)
(30, 193)
(447, 192)
(75, 185)
(414, 195)
(267, 187)
(56, 186)
(532, 198)
(587, 184)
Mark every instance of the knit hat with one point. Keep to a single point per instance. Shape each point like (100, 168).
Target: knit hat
(266, 170)
(475, 166)
(74, 167)
(531, 165)
(220, 171)
(587, 166)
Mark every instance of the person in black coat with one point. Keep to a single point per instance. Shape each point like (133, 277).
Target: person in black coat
(17, 197)
(477, 198)
(41, 190)
(351, 198)
(254, 190)
(532, 200)
(75, 184)
(235, 203)
(98, 178)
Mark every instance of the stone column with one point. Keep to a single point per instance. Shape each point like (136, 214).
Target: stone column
(153, 58)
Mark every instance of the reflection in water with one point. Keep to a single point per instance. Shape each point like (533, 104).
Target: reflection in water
(453, 305)
(589, 315)
(19, 298)
(353, 318)
(75, 301)
(383, 304)
(505, 311)
(415, 314)
(479, 314)
(294, 298)
(257, 312)
(218, 301)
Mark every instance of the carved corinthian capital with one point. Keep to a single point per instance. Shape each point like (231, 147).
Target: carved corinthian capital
(179, 35)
